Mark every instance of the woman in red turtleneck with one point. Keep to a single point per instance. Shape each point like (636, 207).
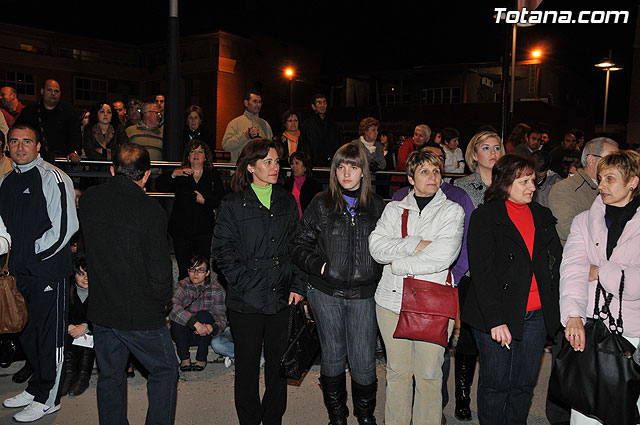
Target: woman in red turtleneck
(512, 304)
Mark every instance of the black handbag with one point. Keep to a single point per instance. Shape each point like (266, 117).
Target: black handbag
(603, 380)
(303, 342)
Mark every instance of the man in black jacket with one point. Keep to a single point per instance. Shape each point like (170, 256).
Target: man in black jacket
(125, 234)
(58, 126)
(322, 134)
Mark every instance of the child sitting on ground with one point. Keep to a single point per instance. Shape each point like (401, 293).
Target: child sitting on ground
(198, 314)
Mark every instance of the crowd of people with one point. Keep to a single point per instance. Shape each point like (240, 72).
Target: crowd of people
(525, 232)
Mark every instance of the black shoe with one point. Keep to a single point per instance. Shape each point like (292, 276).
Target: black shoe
(364, 402)
(85, 368)
(465, 368)
(198, 368)
(334, 392)
(186, 368)
(23, 374)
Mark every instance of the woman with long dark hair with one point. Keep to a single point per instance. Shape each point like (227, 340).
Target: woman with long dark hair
(512, 304)
(251, 240)
(103, 135)
(331, 245)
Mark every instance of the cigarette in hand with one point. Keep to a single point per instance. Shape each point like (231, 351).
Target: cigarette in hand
(507, 345)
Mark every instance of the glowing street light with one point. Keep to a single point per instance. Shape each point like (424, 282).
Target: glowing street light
(536, 53)
(606, 64)
(289, 72)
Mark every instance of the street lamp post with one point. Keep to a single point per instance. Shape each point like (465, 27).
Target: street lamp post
(289, 72)
(607, 64)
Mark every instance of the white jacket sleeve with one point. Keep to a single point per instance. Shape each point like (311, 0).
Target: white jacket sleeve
(61, 208)
(574, 273)
(441, 252)
(385, 242)
(5, 238)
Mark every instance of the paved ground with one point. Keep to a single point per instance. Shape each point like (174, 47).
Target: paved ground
(206, 398)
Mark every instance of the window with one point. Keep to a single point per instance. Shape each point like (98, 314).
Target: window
(23, 82)
(90, 89)
(387, 99)
(440, 95)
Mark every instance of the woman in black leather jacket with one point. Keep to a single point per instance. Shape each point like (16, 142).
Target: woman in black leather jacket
(251, 240)
(331, 245)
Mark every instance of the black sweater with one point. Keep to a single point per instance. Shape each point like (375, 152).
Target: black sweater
(125, 234)
(188, 217)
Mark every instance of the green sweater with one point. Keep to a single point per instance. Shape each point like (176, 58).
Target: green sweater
(264, 194)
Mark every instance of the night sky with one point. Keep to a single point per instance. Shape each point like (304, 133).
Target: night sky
(358, 36)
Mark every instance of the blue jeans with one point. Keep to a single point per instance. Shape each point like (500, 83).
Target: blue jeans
(507, 377)
(154, 350)
(223, 343)
(347, 330)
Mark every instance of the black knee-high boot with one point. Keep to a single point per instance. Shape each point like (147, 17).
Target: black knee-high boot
(70, 370)
(364, 402)
(85, 367)
(465, 368)
(334, 391)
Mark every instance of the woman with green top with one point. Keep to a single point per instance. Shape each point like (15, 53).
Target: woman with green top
(252, 233)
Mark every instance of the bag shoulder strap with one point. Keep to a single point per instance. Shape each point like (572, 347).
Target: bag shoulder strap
(405, 220)
(615, 326)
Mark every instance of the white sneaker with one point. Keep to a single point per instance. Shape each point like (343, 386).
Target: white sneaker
(20, 400)
(227, 362)
(34, 411)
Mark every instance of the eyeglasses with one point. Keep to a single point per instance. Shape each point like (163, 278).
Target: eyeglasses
(154, 112)
(199, 271)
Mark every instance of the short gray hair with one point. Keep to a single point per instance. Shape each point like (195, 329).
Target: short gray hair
(595, 147)
(425, 129)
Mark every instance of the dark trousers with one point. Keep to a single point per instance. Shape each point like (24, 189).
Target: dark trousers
(185, 337)
(187, 247)
(557, 412)
(154, 349)
(507, 377)
(249, 332)
(44, 336)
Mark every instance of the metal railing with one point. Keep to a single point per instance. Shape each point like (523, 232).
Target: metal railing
(89, 168)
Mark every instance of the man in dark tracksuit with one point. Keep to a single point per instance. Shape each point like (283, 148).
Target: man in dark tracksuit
(37, 204)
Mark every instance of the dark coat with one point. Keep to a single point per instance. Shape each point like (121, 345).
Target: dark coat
(342, 242)
(77, 308)
(59, 128)
(309, 189)
(188, 217)
(125, 234)
(501, 269)
(322, 140)
(201, 134)
(251, 247)
(91, 145)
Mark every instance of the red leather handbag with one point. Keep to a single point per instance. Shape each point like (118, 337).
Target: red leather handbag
(426, 306)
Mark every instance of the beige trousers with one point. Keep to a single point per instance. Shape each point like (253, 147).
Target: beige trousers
(407, 359)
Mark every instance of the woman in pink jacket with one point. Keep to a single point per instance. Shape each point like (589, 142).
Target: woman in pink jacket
(603, 242)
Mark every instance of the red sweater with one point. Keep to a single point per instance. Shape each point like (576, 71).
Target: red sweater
(521, 216)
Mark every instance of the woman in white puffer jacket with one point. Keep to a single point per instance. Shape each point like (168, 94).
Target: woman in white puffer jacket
(434, 237)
